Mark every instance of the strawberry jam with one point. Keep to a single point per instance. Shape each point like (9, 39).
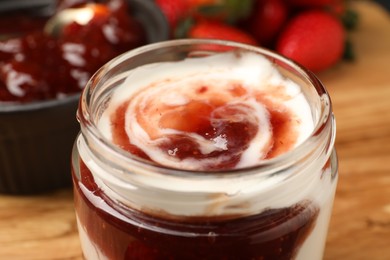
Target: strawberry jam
(227, 125)
(36, 66)
(122, 233)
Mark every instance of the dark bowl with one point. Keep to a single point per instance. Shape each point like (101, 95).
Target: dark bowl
(36, 139)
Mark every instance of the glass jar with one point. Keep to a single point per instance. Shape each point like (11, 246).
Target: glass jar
(130, 208)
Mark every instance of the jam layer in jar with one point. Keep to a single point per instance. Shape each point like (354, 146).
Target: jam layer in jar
(118, 232)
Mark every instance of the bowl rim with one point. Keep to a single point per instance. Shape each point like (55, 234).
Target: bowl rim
(9, 107)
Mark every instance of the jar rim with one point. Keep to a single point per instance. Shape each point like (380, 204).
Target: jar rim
(279, 162)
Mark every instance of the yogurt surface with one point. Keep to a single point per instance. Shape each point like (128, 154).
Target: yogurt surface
(226, 111)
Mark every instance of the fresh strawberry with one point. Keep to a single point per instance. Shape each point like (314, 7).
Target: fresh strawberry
(217, 30)
(267, 19)
(174, 10)
(314, 39)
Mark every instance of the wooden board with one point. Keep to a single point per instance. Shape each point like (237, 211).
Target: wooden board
(360, 225)
(43, 227)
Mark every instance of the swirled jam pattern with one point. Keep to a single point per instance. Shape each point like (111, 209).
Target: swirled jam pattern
(225, 111)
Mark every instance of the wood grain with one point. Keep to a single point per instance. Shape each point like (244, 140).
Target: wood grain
(43, 227)
(38, 227)
(360, 225)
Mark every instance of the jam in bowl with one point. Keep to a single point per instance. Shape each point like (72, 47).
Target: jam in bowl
(42, 75)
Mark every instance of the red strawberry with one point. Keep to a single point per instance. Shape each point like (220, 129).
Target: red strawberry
(217, 30)
(314, 39)
(174, 10)
(267, 19)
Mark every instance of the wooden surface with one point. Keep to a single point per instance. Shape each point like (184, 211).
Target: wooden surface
(43, 227)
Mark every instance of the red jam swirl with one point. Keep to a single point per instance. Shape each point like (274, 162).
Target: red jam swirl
(210, 118)
(36, 66)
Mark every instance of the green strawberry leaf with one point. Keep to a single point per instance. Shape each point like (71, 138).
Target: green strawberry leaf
(349, 51)
(212, 10)
(239, 9)
(230, 10)
(183, 28)
(350, 19)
